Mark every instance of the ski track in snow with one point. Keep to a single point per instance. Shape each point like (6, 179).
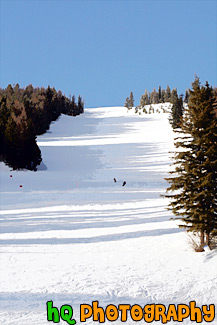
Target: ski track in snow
(72, 235)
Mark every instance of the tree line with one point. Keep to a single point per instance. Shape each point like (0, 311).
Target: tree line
(157, 97)
(26, 113)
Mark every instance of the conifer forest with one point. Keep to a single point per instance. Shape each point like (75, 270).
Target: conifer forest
(26, 113)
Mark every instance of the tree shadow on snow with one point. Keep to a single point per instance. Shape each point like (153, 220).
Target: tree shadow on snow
(90, 240)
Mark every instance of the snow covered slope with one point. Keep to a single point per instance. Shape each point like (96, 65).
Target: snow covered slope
(72, 235)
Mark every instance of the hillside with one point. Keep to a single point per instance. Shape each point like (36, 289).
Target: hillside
(72, 235)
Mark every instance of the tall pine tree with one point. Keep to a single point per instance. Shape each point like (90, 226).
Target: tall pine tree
(126, 104)
(159, 94)
(176, 112)
(194, 181)
(129, 102)
(144, 99)
(167, 94)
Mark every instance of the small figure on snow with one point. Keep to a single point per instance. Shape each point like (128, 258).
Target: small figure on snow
(124, 183)
(115, 180)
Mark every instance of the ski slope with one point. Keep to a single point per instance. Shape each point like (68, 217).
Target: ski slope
(72, 235)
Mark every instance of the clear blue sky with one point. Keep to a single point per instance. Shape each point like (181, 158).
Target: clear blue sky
(104, 49)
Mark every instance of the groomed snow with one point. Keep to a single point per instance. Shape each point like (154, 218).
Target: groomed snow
(72, 235)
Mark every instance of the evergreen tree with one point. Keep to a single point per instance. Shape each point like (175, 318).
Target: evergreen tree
(131, 100)
(80, 105)
(147, 97)
(4, 114)
(176, 112)
(195, 177)
(25, 113)
(72, 106)
(163, 95)
(144, 99)
(174, 96)
(215, 104)
(159, 95)
(167, 94)
(186, 96)
(127, 104)
(154, 97)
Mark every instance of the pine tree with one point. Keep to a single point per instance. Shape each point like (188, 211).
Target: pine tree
(154, 97)
(144, 99)
(80, 105)
(131, 100)
(4, 114)
(176, 112)
(147, 97)
(167, 94)
(25, 113)
(174, 96)
(195, 177)
(163, 95)
(159, 95)
(186, 96)
(127, 104)
(215, 104)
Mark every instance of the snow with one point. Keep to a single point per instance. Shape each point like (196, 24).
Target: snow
(72, 235)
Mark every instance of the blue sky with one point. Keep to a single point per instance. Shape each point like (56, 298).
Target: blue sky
(104, 49)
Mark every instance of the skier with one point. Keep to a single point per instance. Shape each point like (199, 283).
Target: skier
(115, 180)
(124, 183)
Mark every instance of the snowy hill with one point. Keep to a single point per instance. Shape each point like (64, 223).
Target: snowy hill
(72, 235)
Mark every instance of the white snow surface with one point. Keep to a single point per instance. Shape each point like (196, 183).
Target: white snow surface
(72, 235)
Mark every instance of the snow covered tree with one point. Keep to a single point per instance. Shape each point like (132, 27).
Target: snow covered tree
(194, 181)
